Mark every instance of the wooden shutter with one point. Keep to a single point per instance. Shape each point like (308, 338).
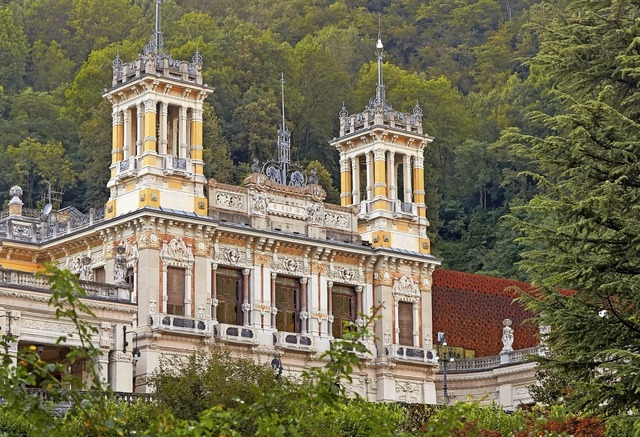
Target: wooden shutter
(175, 291)
(405, 323)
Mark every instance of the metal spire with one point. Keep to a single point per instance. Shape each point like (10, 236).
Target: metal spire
(284, 141)
(380, 55)
(157, 34)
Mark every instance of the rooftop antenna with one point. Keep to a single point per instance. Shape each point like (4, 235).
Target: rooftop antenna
(284, 140)
(157, 34)
(380, 55)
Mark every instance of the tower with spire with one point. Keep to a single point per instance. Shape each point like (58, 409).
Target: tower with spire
(382, 170)
(157, 131)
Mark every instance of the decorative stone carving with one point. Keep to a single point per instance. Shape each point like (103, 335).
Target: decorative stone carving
(382, 277)
(232, 256)
(405, 289)
(148, 240)
(225, 199)
(336, 220)
(21, 231)
(178, 250)
(315, 213)
(259, 203)
(201, 248)
(387, 337)
(106, 335)
(507, 336)
(153, 306)
(16, 193)
(201, 312)
(408, 391)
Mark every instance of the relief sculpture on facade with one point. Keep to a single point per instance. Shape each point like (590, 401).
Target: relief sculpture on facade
(405, 289)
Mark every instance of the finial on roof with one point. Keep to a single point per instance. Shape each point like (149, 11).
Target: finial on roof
(380, 54)
(284, 138)
(117, 62)
(197, 57)
(157, 34)
(343, 111)
(417, 110)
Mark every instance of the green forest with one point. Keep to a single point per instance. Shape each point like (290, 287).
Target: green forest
(464, 61)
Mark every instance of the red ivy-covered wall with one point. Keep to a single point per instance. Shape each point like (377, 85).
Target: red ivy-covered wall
(470, 309)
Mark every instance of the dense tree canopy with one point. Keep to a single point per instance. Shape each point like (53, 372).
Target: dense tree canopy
(582, 229)
(462, 61)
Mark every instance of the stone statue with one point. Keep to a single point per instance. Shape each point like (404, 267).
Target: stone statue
(120, 266)
(507, 336)
(255, 167)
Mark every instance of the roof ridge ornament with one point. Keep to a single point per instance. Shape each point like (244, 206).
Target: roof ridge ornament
(157, 34)
(379, 100)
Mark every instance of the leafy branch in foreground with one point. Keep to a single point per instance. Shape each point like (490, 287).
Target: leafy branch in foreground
(24, 370)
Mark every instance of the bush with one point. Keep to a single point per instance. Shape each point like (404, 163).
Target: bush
(124, 419)
(12, 424)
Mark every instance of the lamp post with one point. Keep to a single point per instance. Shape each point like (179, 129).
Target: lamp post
(445, 351)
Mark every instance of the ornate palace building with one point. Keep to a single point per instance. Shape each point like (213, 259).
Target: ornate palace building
(175, 263)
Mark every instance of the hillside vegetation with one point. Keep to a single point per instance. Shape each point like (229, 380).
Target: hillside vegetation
(464, 61)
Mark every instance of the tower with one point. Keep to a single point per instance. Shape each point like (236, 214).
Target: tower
(382, 171)
(157, 132)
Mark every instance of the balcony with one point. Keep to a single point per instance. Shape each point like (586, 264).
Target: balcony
(411, 354)
(182, 324)
(290, 340)
(33, 282)
(127, 168)
(236, 334)
(181, 166)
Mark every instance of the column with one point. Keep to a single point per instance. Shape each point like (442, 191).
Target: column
(330, 308)
(345, 182)
(380, 177)
(407, 178)
(182, 131)
(369, 176)
(355, 175)
(126, 143)
(150, 115)
(304, 314)
(245, 297)
(187, 290)
(214, 291)
(164, 288)
(274, 307)
(140, 128)
(164, 120)
(359, 310)
(416, 333)
(196, 141)
(418, 185)
(396, 325)
(392, 180)
(117, 138)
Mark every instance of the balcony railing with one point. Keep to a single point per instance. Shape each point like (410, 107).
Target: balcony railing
(487, 363)
(235, 334)
(32, 282)
(409, 353)
(190, 325)
(289, 340)
(176, 165)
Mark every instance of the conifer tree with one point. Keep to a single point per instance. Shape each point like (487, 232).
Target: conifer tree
(582, 232)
